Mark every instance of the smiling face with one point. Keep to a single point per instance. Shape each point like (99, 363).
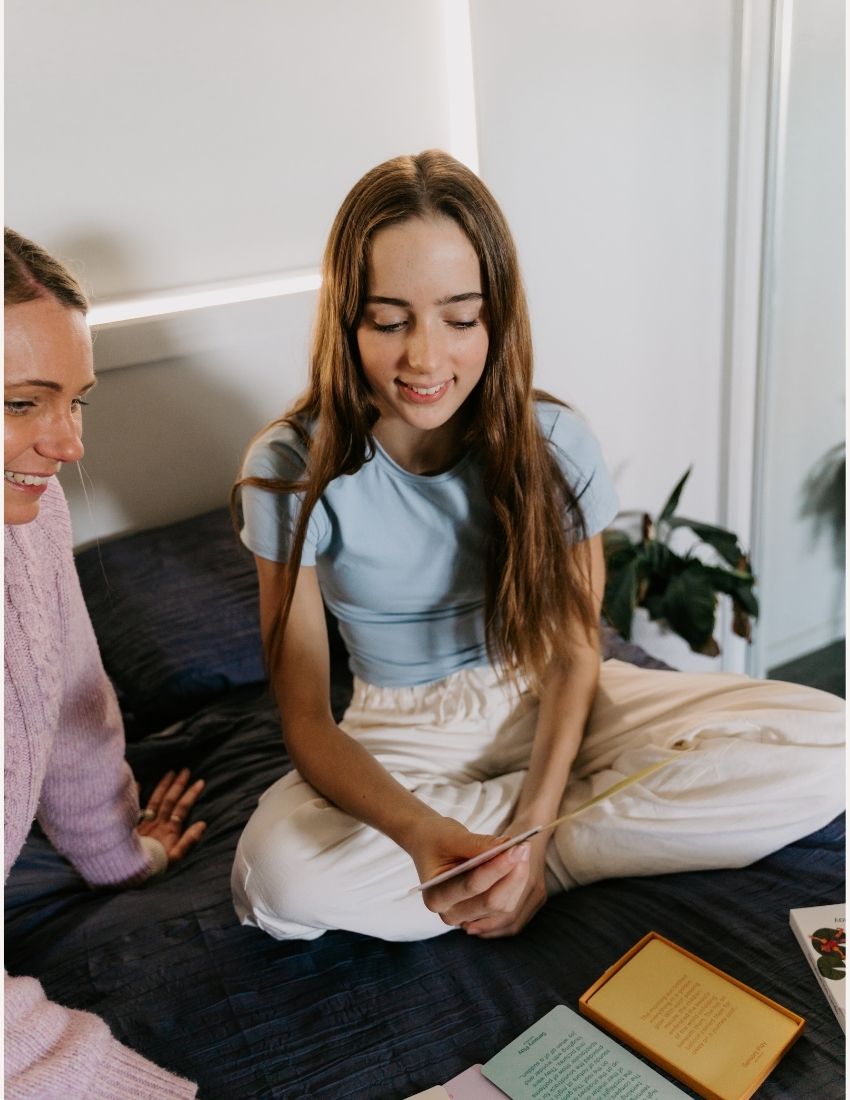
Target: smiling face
(422, 338)
(48, 370)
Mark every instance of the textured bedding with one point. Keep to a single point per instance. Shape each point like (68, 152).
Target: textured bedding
(347, 1016)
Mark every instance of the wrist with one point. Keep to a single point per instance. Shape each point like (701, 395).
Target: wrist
(156, 854)
(412, 829)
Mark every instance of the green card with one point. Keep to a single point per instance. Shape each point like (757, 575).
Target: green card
(565, 1055)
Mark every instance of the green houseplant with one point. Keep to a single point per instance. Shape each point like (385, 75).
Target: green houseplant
(678, 590)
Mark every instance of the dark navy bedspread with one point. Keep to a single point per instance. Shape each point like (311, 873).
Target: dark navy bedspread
(347, 1016)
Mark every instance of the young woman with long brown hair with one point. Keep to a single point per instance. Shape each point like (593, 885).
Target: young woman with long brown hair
(449, 516)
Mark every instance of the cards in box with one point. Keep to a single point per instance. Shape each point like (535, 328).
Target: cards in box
(714, 1033)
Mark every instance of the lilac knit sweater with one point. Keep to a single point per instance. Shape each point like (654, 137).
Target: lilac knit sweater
(64, 763)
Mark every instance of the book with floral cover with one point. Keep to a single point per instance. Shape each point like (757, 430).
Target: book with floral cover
(820, 931)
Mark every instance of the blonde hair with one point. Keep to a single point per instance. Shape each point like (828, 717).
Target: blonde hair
(537, 576)
(29, 273)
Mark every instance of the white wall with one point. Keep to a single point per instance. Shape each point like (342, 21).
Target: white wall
(193, 142)
(166, 145)
(802, 574)
(627, 143)
(165, 439)
(603, 129)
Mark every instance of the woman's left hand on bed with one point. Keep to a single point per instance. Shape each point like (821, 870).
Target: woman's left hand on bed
(164, 817)
(496, 925)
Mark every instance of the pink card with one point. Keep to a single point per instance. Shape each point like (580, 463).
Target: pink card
(472, 1085)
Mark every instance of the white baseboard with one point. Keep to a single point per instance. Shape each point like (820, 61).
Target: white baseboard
(809, 641)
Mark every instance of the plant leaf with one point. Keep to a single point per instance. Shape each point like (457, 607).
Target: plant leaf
(655, 607)
(689, 606)
(741, 624)
(670, 507)
(613, 540)
(621, 596)
(660, 561)
(724, 542)
(616, 559)
(734, 583)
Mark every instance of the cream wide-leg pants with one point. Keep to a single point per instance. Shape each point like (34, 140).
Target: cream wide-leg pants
(765, 767)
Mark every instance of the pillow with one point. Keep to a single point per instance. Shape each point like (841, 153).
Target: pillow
(614, 646)
(176, 613)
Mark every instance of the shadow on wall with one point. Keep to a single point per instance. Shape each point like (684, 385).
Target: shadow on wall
(824, 499)
(163, 441)
(106, 262)
(184, 394)
(164, 434)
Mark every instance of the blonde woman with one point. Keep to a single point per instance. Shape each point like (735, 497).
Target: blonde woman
(64, 742)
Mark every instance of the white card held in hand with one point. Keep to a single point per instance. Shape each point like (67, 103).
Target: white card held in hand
(476, 861)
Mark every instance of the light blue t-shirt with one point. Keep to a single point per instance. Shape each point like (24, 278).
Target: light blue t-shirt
(400, 557)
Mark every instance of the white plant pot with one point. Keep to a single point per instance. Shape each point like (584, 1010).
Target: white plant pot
(661, 642)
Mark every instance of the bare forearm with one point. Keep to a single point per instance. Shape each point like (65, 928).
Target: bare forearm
(350, 777)
(564, 708)
(331, 761)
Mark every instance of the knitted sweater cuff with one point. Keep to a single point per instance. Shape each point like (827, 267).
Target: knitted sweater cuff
(124, 864)
(132, 1077)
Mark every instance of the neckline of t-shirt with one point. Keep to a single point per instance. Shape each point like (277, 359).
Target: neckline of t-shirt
(420, 479)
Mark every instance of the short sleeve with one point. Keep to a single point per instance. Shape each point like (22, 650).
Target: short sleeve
(269, 518)
(580, 458)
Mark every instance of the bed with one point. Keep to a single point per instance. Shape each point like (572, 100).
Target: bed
(345, 1016)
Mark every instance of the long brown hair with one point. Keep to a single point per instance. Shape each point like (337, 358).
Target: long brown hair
(537, 580)
(29, 273)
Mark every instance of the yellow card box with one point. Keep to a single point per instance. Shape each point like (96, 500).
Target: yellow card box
(717, 1035)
